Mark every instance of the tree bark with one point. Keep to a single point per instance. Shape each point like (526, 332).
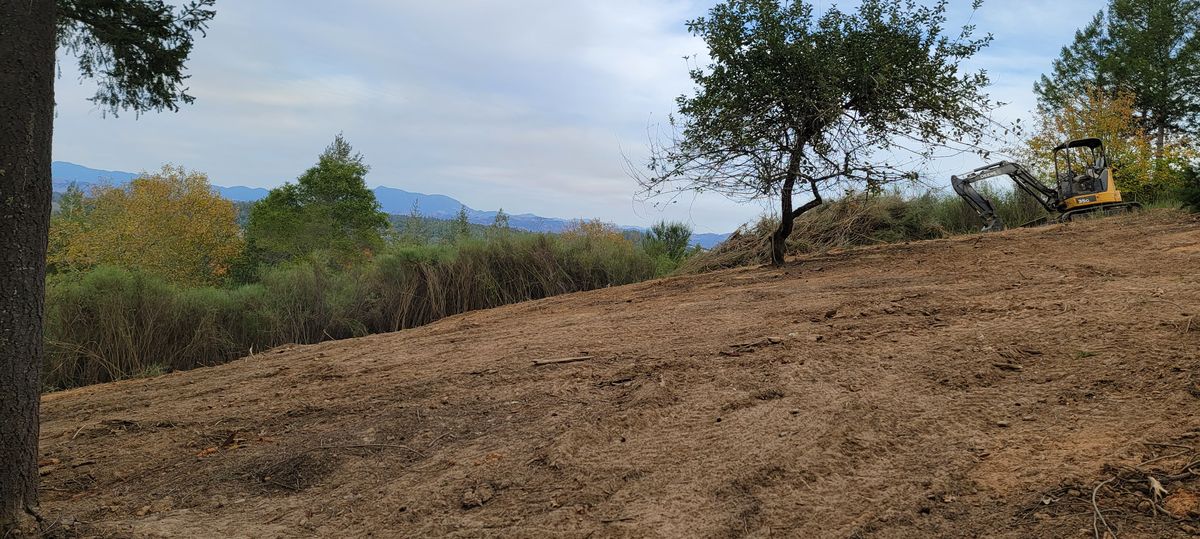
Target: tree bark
(780, 236)
(27, 48)
(1160, 140)
(787, 215)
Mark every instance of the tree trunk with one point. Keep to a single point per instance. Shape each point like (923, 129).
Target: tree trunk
(780, 236)
(27, 47)
(1159, 141)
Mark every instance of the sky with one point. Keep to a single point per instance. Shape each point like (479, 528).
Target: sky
(533, 106)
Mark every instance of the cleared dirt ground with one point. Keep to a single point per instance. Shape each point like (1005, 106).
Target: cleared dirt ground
(982, 386)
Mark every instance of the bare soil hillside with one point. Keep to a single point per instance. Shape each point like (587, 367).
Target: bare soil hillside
(984, 386)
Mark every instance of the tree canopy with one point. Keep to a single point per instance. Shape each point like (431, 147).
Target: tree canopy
(135, 50)
(794, 101)
(171, 224)
(1149, 48)
(671, 240)
(328, 208)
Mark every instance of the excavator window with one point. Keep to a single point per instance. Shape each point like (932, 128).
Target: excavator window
(1080, 169)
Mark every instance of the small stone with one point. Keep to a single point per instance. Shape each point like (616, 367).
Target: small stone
(1074, 493)
(774, 340)
(1027, 418)
(1002, 423)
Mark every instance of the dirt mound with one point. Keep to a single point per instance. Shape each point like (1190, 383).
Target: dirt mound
(985, 386)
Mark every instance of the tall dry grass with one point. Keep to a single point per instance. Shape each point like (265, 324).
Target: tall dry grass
(865, 220)
(110, 323)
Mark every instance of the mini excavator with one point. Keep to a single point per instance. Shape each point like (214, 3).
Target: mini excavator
(1085, 185)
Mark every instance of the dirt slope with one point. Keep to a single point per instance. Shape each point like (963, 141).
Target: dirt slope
(974, 387)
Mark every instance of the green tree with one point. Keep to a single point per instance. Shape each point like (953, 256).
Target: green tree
(670, 240)
(1190, 193)
(461, 228)
(136, 51)
(1148, 47)
(501, 220)
(416, 231)
(793, 101)
(328, 208)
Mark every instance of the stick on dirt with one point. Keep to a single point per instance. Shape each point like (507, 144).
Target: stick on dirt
(540, 362)
(1098, 515)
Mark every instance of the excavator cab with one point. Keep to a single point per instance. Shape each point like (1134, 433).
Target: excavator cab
(1081, 168)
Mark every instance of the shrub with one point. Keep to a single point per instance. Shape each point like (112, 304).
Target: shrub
(1189, 195)
(110, 323)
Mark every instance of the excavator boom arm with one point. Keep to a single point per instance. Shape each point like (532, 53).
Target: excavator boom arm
(1045, 196)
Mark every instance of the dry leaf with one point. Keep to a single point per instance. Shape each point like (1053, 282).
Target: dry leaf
(1156, 489)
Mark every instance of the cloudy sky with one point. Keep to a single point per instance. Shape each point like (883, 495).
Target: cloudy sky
(529, 105)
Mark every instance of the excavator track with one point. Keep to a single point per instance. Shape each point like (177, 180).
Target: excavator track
(1108, 208)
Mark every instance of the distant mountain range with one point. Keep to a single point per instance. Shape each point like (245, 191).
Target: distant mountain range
(392, 200)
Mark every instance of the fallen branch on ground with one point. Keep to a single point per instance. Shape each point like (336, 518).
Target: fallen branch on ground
(540, 362)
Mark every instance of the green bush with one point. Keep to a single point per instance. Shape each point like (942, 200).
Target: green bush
(111, 323)
(1189, 195)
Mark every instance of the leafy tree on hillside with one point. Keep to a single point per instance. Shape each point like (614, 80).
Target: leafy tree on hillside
(461, 229)
(171, 224)
(328, 208)
(416, 230)
(1150, 48)
(671, 240)
(1190, 193)
(792, 102)
(501, 220)
(136, 51)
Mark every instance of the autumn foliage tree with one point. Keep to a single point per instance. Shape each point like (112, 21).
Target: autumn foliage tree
(1149, 49)
(171, 224)
(1130, 146)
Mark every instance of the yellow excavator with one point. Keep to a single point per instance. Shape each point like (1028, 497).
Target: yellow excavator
(1084, 185)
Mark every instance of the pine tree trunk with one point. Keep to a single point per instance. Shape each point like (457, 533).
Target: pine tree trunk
(27, 46)
(1159, 141)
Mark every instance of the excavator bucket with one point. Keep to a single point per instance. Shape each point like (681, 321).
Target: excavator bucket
(977, 202)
